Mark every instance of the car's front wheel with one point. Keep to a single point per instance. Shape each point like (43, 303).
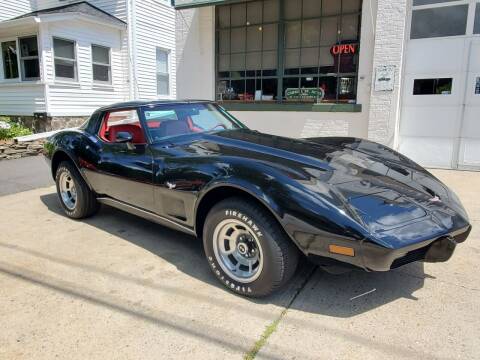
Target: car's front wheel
(247, 249)
(77, 200)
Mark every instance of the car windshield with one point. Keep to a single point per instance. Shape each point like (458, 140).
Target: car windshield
(168, 120)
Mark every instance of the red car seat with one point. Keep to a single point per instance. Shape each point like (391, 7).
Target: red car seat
(135, 130)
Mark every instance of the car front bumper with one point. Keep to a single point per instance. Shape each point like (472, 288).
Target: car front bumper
(372, 257)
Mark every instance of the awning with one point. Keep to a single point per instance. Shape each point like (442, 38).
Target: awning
(187, 4)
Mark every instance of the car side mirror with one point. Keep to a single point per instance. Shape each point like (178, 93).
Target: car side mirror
(123, 137)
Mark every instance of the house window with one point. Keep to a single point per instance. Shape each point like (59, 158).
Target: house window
(29, 58)
(10, 62)
(439, 21)
(102, 70)
(65, 60)
(163, 82)
(442, 86)
(310, 54)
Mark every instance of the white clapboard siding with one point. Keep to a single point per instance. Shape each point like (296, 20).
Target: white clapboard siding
(154, 27)
(21, 99)
(13, 8)
(84, 96)
(114, 7)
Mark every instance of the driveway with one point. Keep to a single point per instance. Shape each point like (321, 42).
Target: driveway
(24, 174)
(117, 286)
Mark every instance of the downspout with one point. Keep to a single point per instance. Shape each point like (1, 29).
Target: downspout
(42, 38)
(132, 58)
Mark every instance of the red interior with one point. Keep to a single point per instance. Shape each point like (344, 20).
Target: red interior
(133, 129)
(192, 126)
(153, 124)
(109, 133)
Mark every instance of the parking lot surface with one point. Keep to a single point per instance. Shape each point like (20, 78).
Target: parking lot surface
(116, 286)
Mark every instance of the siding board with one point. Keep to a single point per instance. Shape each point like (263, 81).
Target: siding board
(83, 97)
(154, 27)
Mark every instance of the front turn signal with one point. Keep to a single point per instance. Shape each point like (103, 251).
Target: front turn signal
(342, 250)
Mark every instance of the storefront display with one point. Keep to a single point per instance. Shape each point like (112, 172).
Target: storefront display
(288, 51)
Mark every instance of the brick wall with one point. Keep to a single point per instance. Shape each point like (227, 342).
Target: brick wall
(389, 46)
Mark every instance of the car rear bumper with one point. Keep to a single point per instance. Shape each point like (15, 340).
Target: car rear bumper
(372, 257)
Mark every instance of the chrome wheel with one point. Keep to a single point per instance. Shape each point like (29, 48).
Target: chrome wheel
(68, 191)
(238, 250)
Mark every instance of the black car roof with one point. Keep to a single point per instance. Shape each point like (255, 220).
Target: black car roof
(139, 103)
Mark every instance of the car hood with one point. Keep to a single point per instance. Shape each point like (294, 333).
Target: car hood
(398, 201)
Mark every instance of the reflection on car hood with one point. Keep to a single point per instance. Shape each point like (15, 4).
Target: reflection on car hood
(385, 189)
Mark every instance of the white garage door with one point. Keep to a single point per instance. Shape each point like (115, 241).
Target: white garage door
(440, 116)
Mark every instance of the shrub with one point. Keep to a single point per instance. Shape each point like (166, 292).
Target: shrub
(10, 129)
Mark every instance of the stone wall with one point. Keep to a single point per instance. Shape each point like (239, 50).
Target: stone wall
(48, 123)
(13, 150)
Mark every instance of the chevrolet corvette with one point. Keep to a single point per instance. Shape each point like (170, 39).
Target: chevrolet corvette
(257, 201)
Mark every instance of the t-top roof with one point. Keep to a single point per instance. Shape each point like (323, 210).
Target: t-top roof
(142, 103)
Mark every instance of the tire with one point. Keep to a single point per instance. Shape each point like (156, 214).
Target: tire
(77, 200)
(262, 243)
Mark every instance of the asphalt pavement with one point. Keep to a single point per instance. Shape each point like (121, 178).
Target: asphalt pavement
(24, 174)
(117, 286)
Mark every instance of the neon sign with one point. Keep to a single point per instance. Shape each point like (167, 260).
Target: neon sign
(344, 49)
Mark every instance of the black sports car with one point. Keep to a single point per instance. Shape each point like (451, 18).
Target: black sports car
(257, 200)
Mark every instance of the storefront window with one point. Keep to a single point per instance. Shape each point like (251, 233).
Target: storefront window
(310, 54)
(439, 22)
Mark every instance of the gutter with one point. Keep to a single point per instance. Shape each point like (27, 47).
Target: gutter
(18, 22)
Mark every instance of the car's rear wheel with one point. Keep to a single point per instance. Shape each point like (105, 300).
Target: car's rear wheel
(77, 200)
(247, 249)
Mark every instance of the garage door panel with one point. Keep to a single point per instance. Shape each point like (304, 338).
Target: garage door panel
(422, 121)
(427, 151)
(471, 122)
(474, 64)
(443, 55)
(469, 154)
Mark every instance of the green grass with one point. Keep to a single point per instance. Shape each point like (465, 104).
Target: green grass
(269, 330)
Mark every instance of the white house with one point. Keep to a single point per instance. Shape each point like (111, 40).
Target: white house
(402, 72)
(61, 59)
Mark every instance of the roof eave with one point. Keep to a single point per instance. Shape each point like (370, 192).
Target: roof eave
(32, 20)
(83, 17)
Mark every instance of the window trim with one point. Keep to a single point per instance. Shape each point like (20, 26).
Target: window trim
(470, 18)
(22, 58)
(167, 74)
(435, 84)
(476, 8)
(109, 65)
(19, 79)
(75, 61)
(103, 118)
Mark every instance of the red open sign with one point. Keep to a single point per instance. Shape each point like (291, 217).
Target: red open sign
(343, 49)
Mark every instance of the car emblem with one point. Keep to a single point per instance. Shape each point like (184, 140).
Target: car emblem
(171, 185)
